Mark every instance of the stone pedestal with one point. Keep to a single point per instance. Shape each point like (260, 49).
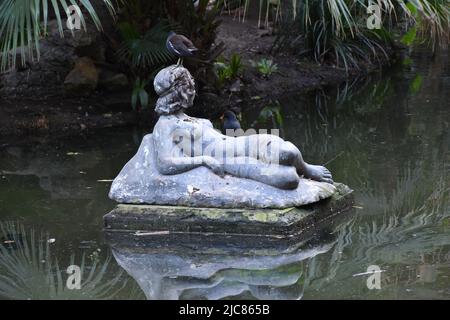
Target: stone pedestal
(151, 220)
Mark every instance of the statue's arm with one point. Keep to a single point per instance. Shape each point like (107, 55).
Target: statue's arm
(174, 165)
(170, 165)
(170, 160)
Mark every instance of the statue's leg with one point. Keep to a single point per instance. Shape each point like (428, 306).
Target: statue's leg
(273, 150)
(291, 155)
(279, 176)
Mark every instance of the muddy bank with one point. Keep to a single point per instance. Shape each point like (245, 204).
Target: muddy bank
(59, 114)
(294, 76)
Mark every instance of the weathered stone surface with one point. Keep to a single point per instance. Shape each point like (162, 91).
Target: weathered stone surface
(83, 79)
(139, 182)
(263, 222)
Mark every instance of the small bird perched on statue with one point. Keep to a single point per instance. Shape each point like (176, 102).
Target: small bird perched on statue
(230, 122)
(180, 46)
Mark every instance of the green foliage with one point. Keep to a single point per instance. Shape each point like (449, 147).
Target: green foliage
(236, 67)
(144, 51)
(229, 71)
(266, 67)
(407, 61)
(24, 22)
(271, 112)
(223, 72)
(409, 37)
(335, 31)
(415, 84)
(139, 94)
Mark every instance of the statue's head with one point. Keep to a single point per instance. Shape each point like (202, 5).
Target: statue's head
(176, 89)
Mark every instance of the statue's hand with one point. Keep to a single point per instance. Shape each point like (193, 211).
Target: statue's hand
(214, 165)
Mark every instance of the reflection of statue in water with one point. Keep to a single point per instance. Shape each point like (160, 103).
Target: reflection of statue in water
(199, 269)
(261, 157)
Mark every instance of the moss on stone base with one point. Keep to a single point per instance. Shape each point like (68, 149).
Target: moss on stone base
(154, 219)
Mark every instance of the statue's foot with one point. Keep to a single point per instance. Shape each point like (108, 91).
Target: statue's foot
(318, 173)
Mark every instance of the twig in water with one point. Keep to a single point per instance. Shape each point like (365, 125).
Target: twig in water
(332, 159)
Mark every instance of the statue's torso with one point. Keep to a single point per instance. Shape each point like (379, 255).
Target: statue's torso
(172, 127)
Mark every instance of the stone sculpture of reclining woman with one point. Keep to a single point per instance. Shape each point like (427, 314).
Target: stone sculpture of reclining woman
(182, 143)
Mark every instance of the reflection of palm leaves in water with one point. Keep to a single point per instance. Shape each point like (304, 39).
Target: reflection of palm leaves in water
(358, 96)
(318, 274)
(27, 270)
(405, 228)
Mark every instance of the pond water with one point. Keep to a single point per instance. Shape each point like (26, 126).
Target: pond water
(386, 137)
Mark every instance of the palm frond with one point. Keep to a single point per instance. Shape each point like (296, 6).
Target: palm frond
(24, 22)
(335, 30)
(147, 50)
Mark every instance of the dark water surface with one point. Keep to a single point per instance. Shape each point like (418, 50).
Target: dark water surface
(388, 138)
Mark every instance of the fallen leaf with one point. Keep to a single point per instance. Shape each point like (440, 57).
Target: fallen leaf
(153, 233)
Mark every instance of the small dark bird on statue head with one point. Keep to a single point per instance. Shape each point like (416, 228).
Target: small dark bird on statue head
(230, 121)
(180, 46)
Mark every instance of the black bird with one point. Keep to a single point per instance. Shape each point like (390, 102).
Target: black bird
(180, 46)
(230, 121)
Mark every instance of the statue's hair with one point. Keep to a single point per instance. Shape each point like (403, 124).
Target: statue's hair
(176, 89)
